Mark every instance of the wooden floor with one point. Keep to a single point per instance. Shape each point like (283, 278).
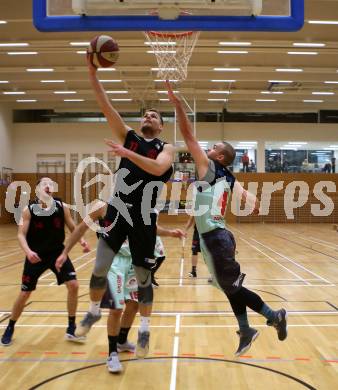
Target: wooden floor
(193, 329)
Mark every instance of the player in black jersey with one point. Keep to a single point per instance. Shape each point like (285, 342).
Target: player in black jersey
(145, 159)
(217, 242)
(41, 234)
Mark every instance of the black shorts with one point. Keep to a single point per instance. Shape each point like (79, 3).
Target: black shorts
(142, 237)
(195, 245)
(32, 272)
(219, 251)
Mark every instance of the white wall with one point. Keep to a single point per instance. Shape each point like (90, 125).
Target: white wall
(5, 137)
(30, 139)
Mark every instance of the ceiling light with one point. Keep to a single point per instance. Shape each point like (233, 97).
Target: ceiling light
(223, 81)
(227, 69)
(106, 69)
(227, 92)
(272, 92)
(266, 100)
(40, 70)
(3, 22)
(163, 100)
(73, 100)
(232, 52)
(308, 44)
(121, 100)
(14, 44)
(297, 143)
(323, 93)
(280, 81)
(248, 142)
(288, 70)
(26, 100)
(52, 81)
(331, 82)
(79, 43)
(323, 21)
(65, 92)
(303, 53)
(4, 82)
(313, 101)
(235, 43)
(14, 93)
(162, 81)
(333, 146)
(217, 100)
(81, 52)
(167, 91)
(21, 53)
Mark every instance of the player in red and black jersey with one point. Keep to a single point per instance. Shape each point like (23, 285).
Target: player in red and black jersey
(41, 234)
(145, 159)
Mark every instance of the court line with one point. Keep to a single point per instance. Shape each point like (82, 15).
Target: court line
(292, 261)
(321, 242)
(275, 261)
(175, 353)
(11, 253)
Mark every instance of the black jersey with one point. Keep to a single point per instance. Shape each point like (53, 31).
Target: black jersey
(46, 232)
(150, 149)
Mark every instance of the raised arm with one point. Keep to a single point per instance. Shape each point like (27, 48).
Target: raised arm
(155, 167)
(198, 154)
(116, 123)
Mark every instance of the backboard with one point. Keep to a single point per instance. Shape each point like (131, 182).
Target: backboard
(166, 15)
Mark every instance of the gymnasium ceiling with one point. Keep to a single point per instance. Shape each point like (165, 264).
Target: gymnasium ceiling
(267, 52)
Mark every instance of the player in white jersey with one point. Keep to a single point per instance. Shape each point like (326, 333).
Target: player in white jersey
(218, 245)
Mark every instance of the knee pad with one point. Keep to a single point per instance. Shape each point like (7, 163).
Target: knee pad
(98, 282)
(145, 294)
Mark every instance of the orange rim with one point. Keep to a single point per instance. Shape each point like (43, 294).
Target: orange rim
(176, 35)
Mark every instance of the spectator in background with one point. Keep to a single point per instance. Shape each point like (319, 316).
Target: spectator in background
(245, 162)
(327, 168)
(333, 162)
(252, 166)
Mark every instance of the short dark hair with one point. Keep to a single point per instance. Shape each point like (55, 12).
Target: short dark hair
(157, 111)
(229, 154)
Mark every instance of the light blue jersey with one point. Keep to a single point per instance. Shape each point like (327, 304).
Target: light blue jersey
(211, 200)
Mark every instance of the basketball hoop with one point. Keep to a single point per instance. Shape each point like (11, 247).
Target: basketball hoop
(173, 51)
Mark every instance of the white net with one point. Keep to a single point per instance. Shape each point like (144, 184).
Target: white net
(173, 51)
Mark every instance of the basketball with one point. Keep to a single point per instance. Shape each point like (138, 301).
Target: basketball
(103, 51)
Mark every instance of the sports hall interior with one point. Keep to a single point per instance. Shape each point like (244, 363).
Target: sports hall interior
(287, 123)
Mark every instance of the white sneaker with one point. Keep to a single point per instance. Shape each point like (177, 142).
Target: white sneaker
(113, 363)
(142, 347)
(126, 347)
(88, 321)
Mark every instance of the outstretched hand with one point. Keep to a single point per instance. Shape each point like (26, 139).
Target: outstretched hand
(172, 97)
(91, 67)
(117, 149)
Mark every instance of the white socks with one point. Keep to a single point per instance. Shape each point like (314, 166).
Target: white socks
(144, 326)
(94, 308)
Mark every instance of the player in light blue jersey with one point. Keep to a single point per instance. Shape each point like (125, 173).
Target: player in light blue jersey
(216, 184)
